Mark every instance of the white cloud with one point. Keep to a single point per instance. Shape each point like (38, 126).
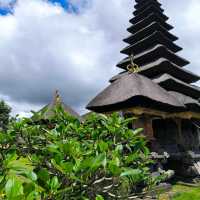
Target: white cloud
(6, 3)
(43, 48)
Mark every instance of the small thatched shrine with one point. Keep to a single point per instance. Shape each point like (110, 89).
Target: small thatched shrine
(155, 87)
(48, 111)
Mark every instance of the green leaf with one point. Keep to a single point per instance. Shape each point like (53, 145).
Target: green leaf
(58, 167)
(53, 148)
(33, 196)
(99, 197)
(1, 178)
(43, 174)
(32, 176)
(98, 161)
(131, 172)
(67, 167)
(119, 148)
(103, 146)
(137, 131)
(54, 184)
(21, 165)
(13, 188)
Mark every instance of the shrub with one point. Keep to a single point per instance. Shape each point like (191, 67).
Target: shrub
(4, 115)
(95, 159)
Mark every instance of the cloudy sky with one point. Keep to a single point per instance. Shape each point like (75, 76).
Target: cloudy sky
(73, 46)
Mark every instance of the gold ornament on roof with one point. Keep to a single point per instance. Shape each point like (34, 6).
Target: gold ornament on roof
(133, 67)
(57, 98)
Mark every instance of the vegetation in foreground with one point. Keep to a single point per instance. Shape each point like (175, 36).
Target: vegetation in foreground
(4, 115)
(67, 159)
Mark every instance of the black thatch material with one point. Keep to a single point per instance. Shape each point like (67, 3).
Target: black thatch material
(148, 30)
(190, 103)
(139, 6)
(147, 5)
(148, 11)
(133, 90)
(144, 1)
(162, 66)
(172, 84)
(153, 17)
(149, 42)
(157, 52)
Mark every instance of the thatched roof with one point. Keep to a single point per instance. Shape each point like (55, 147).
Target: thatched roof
(118, 76)
(190, 103)
(149, 30)
(134, 90)
(156, 52)
(162, 66)
(150, 9)
(148, 42)
(172, 84)
(140, 7)
(49, 110)
(147, 20)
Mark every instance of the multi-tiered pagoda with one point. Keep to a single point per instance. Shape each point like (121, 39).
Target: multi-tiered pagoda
(161, 92)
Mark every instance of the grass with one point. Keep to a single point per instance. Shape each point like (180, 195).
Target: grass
(186, 193)
(180, 192)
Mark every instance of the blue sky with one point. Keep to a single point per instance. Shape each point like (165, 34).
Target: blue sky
(64, 3)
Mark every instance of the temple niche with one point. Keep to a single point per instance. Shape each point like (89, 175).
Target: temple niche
(155, 86)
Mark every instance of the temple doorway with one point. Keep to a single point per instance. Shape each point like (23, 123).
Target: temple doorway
(166, 133)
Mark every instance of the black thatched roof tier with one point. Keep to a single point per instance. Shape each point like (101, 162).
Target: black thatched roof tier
(157, 52)
(49, 110)
(172, 84)
(153, 17)
(134, 90)
(149, 10)
(146, 4)
(149, 42)
(191, 104)
(148, 30)
(144, 1)
(162, 66)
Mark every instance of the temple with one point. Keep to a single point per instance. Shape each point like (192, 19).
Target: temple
(155, 86)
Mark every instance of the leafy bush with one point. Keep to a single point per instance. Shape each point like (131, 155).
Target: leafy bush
(96, 159)
(4, 114)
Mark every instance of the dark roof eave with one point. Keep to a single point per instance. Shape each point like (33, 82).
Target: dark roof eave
(170, 83)
(154, 53)
(148, 30)
(150, 41)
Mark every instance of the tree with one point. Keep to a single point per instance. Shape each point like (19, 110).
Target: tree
(4, 115)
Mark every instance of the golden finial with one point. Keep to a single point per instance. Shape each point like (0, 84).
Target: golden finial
(133, 68)
(57, 98)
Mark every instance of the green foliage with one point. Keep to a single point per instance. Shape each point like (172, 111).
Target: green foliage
(4, 114)
(97, 159)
